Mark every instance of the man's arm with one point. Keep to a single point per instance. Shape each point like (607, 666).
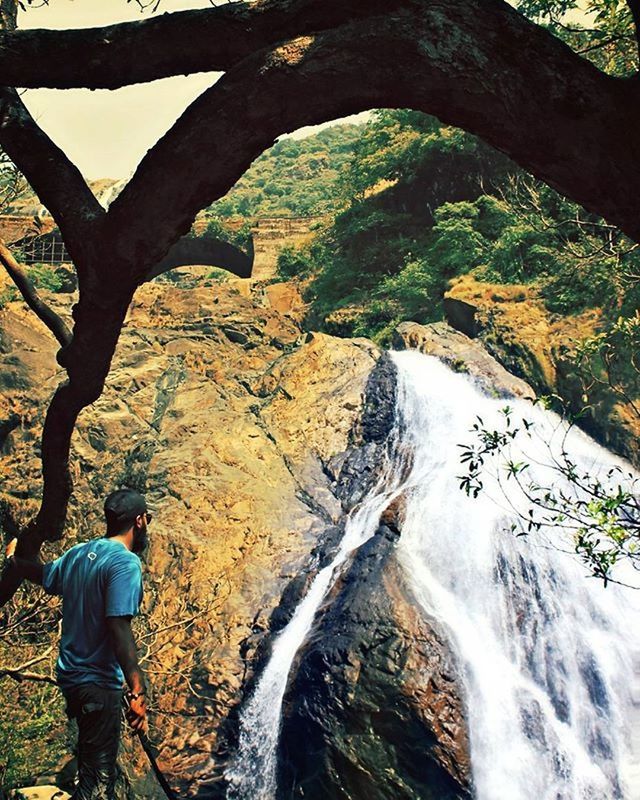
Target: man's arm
(31, 570)
(124, 647)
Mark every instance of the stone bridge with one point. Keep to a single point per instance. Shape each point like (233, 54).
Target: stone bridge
(42, 243)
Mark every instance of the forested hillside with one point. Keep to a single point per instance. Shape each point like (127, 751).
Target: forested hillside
(296, 177)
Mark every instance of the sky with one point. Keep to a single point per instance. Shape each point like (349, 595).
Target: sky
(107, 132)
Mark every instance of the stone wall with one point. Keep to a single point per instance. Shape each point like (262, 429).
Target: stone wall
(272, 235)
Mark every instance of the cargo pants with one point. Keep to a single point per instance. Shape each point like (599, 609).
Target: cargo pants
(98, 712)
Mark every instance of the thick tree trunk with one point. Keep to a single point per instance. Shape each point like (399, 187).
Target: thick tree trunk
(87, 359)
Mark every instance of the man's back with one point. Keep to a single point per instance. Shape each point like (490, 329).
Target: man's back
(97, 579)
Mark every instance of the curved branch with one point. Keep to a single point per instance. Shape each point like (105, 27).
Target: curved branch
(55, 179)
(477, 64)
(181, 43)
(44, 312)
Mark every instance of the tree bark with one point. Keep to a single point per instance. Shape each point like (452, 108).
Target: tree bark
(87, 359)
(184, 42)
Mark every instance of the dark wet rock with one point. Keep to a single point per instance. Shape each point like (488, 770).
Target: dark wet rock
(358, 470)
(234, 335)
(461, 316)
(373, 711)
(68, 279)
(378, 413)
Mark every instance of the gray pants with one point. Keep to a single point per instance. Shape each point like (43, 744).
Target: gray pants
(98, 712)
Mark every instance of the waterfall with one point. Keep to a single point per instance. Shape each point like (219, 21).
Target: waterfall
(548, 659)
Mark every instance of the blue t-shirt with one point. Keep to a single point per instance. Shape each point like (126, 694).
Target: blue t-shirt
(96, 579)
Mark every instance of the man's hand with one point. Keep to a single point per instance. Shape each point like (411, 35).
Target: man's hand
(31, 570)
(137, 713)
(124, 648)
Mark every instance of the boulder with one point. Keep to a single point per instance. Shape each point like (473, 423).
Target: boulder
(462, 354)
(39, 793)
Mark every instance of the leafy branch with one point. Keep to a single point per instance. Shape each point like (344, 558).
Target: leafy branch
(599, 513)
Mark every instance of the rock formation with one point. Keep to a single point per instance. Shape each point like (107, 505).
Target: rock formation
(238, 427)
(223, 413)
(252, 441)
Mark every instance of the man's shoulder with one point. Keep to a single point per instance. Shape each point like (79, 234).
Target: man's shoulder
(116, 555)
(113, 550)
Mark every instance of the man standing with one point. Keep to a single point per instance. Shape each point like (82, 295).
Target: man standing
(100, 582)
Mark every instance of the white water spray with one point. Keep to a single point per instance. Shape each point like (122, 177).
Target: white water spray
(547, 658)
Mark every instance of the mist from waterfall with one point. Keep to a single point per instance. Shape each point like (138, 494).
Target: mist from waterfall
(549, 660)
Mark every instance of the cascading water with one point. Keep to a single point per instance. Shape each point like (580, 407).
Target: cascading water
(548, 659)
(546, 655)
(252, 775)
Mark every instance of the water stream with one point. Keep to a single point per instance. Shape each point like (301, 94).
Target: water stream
(549, 659)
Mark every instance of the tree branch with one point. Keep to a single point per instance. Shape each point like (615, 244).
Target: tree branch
(185, 42)
(55, 179)
(23, 671)
(26, 288)
(21, 675)
(468, 62)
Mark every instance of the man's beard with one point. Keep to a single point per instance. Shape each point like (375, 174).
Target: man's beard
(140, 539)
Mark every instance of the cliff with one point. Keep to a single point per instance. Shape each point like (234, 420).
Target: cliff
(251, 439)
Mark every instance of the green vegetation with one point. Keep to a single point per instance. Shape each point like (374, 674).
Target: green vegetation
(421, 203)
(45, 277)
(296, 177)
(32, 725)
(32, 735)
(600, 512)
(601, 31)
(429, 203)
(221, 229)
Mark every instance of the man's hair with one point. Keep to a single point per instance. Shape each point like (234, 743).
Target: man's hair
(121, 509)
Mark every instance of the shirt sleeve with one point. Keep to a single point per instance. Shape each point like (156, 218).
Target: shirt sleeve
(123, 591)
(53, 575)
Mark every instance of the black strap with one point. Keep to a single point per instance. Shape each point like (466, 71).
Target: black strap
(148, 749)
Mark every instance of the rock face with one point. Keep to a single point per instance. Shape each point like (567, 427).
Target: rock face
(514, 325)
(224, 414)
(251, 440)
(462, 354)
(374, 710)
